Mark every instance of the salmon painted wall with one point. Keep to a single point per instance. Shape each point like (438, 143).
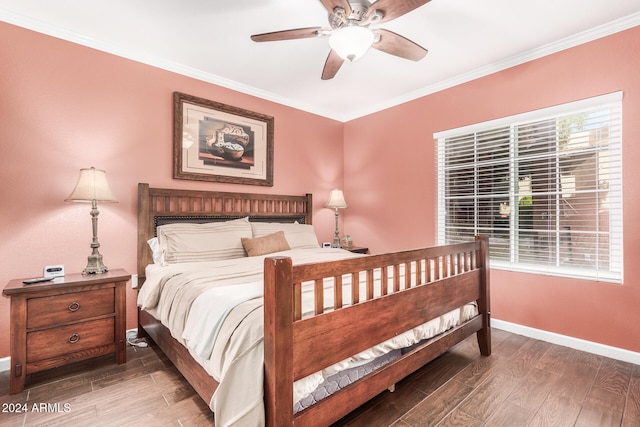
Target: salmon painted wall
(64, 107)
(390, 181)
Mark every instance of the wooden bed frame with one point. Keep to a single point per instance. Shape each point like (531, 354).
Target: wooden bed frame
(438, 280)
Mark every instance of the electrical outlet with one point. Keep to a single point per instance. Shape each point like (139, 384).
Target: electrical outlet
(134, 281)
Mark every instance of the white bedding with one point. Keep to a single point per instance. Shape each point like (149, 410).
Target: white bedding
(209, 311)
(189, 299)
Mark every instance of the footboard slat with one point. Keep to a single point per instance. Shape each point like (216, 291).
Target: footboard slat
(370, 290)
(384, 280)
(318, 293)
(337, 292)
(297, 296)
(396, 278)
(355, 290)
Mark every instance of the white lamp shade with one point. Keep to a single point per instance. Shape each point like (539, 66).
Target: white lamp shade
(92, 185)
(351, 42)
(336, 200)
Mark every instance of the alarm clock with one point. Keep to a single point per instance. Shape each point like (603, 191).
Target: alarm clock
(52, 271)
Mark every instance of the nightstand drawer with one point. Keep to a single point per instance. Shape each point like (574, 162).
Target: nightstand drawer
(71, 307)
(54, 342)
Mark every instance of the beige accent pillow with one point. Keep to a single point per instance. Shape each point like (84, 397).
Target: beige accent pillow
(212, 241)
(268, 244)
(298, 236)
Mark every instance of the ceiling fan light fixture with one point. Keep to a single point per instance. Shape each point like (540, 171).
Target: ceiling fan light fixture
(351, 42)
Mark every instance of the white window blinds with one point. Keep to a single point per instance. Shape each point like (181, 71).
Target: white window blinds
(545, 186)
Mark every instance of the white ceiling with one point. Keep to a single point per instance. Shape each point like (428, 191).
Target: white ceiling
(209, 40)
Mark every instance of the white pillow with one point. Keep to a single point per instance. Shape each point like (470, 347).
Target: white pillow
(211, 241)
(299, 236)
(156, 252)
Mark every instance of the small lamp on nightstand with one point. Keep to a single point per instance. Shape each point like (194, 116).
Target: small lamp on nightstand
(336, 201)
(92, 187)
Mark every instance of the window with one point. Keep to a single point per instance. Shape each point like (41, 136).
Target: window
(545, 186)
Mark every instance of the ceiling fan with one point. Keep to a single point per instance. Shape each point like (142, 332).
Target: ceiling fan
(350, 35)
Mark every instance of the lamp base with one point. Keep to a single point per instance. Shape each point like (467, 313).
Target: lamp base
(95, 265)
(336, 236)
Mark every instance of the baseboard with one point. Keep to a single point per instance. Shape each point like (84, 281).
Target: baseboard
(566, 341)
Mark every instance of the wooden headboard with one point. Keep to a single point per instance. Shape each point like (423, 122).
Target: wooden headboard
(158, 206)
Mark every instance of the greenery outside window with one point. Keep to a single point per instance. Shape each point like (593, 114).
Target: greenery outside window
(545, 186)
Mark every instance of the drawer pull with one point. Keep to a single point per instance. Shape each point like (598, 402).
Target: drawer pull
(74, 306)
(73, 338)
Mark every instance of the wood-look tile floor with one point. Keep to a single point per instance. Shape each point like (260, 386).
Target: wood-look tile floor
(524, 382)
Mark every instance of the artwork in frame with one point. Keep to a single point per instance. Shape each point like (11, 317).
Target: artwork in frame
(217, 142)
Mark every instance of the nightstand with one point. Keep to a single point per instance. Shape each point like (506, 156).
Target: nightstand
(358, 250)
(73, 318)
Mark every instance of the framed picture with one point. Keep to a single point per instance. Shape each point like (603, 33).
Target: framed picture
(217, 142)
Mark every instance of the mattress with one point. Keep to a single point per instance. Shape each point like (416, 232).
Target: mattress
(342, 379)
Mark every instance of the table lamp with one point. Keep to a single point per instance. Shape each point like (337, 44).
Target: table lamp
(336, 201)
(92, 187)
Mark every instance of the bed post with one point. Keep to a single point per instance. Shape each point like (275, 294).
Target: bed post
(484, 303)
(143, 226)
(309, 208)
(278, 341)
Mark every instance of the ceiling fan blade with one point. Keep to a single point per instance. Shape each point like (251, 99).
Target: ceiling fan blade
(392, 9)
(332, 65)
(330, 5)
(298, 33)
(397, 45)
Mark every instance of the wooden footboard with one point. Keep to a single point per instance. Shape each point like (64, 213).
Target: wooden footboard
(433, 282)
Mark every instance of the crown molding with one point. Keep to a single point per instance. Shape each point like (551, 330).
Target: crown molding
(592, 34)
(39, 26)
(154, 61)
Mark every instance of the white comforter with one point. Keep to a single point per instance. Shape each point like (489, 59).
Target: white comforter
(204, 303)
(171, 290)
